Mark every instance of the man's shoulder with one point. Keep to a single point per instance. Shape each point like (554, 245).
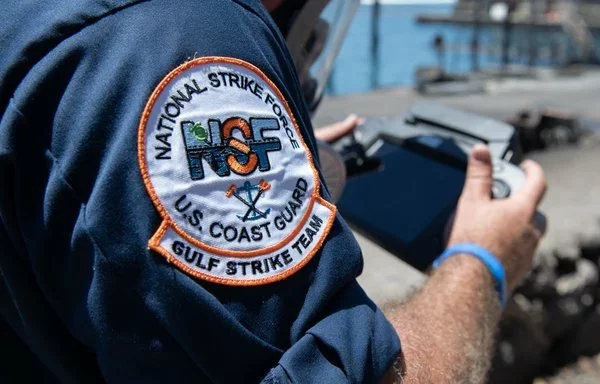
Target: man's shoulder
(32, 28)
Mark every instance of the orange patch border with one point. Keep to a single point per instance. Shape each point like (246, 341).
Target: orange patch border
(154, 242)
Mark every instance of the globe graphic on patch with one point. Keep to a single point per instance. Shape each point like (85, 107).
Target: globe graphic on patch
(199, 132)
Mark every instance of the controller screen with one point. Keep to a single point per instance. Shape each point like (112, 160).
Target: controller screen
(406, 204)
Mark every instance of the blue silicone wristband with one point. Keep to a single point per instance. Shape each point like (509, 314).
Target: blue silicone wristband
(486, 257)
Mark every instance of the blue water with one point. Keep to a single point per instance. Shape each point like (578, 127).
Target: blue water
(405, 45)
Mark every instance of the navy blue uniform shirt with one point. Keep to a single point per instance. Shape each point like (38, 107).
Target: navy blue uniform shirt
(79, 285)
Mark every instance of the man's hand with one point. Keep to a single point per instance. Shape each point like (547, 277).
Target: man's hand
(447, 328)
(332, 132)
(504, 227)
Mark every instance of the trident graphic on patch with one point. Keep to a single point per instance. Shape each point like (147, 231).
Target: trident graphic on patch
(250, 200)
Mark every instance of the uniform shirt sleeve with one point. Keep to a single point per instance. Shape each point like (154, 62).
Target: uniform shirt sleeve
(79, 219)
(354, 343)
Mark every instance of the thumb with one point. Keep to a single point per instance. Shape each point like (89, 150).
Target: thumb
(478, 183)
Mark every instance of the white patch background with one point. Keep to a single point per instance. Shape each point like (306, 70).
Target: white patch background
(170, 179)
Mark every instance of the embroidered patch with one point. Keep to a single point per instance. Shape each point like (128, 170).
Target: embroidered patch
(226, 166)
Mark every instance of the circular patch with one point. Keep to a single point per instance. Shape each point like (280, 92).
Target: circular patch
(226, 166)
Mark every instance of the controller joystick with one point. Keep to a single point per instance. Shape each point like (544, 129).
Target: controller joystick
(354, 155)
(507, 179)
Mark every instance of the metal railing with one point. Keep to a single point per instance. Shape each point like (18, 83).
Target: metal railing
(577, 29)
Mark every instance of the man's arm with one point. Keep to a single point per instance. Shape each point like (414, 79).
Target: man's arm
(447, 328)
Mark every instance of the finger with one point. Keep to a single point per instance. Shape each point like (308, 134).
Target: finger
(332, 132)
(535, 183)
(478, 183)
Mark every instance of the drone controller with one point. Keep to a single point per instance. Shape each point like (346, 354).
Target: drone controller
(405, 176)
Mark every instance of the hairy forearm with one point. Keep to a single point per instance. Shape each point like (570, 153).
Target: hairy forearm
(447, 328)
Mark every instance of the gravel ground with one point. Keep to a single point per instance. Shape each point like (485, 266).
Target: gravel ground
(572, 203)
(585, 371)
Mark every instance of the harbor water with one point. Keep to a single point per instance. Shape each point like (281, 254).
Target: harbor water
(404, 45)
